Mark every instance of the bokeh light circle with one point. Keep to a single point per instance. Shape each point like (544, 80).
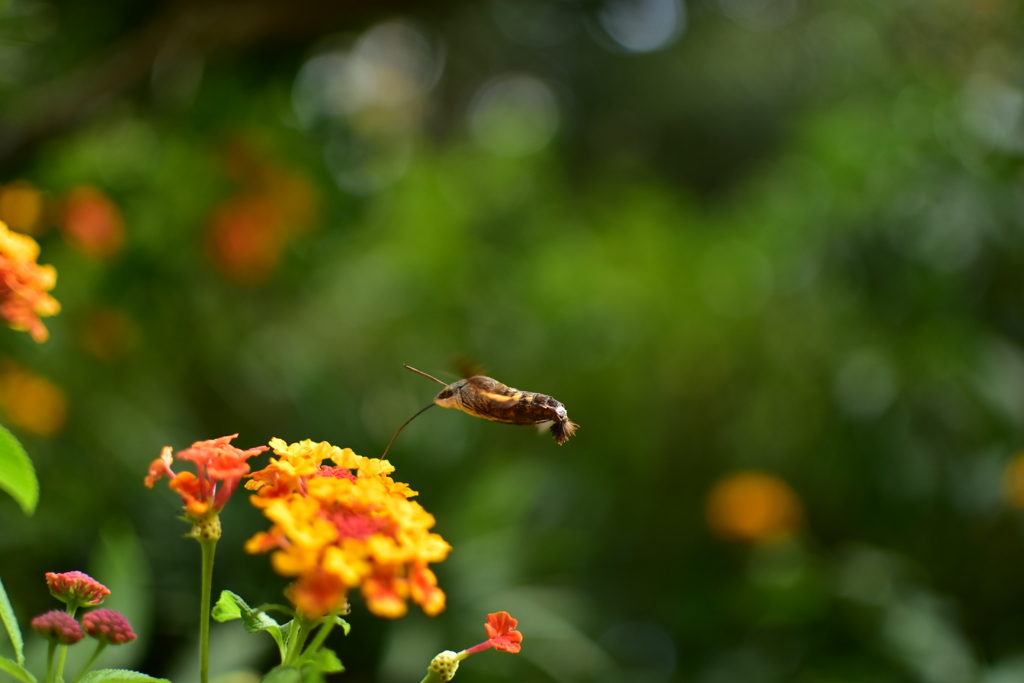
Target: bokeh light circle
(514, 115)
(643, 25)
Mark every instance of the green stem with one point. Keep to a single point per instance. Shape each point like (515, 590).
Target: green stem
(321, 636)
(58, 675)
(432, 677)
(51, 647)
(301, 628)
(209, 546)
(100, 644)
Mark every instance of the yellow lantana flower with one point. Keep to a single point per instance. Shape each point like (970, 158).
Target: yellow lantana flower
(345, 525)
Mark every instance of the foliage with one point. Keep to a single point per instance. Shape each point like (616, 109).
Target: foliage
(788, 241)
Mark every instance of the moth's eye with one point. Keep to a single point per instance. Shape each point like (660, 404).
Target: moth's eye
(445, 393)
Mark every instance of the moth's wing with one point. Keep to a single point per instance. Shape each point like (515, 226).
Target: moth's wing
(467, 367)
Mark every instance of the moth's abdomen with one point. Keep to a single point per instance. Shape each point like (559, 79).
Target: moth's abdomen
(530, 409)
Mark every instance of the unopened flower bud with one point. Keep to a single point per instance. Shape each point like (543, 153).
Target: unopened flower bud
(109, 626)
(77, 589)
(59, 626)
(445, 665)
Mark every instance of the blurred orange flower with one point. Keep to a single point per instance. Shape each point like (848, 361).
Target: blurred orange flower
(31, 402)
(244, 241)
(92, 223)
(248, 232)
(753, 507)
(24, 285)
(22, 207)
(345, 525)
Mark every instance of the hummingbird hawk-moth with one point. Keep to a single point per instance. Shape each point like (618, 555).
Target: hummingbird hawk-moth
(490, 399)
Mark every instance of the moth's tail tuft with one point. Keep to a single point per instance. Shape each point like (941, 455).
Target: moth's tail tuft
(563, 429)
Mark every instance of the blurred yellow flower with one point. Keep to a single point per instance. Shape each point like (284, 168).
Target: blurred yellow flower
(345, 525)
(24, 285)
(32, 403)
(1013, 481)
(21, 207)
(753, 507)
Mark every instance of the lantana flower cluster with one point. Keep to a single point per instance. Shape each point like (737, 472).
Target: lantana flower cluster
(75, 590)
(340, 522)
(219, 469)
(25, 285)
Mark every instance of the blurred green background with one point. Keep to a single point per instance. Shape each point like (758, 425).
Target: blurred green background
(769, 254)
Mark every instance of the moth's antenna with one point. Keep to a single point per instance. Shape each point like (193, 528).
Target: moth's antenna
(420, 372)
(406, 422)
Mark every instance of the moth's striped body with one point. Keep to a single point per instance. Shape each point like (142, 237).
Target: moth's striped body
(490, 399)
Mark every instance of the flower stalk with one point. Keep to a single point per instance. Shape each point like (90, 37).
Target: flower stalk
(219, 470)
(209, 548)
(101, 645)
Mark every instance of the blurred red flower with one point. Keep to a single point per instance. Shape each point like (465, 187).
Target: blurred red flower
(91, 222)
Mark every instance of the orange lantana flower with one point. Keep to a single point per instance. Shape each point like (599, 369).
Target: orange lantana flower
(24, 285)
(219, 469)
(342, 526)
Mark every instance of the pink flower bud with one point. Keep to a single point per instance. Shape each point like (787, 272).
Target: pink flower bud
(108, 625)
(58, 625)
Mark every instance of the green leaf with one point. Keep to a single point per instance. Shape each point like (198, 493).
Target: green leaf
(345, 626)
(325, 661)
(230, 606)
(16, 670)
(282, 674)
(17, 476)
(315, 664)
(312, 674)
(119, 676)
(11, 624)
